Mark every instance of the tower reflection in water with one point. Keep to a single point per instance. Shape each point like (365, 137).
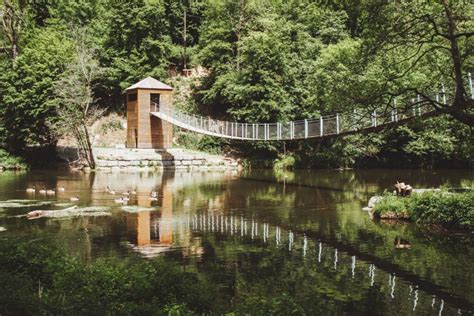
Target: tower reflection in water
(150, 232)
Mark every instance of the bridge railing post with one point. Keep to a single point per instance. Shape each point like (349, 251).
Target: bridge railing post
(337, 123)
(305, 128)
(444, 93)
(418, 99)
(374, 118)
(471, 88)
(321, 128)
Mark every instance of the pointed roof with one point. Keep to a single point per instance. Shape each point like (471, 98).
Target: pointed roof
(149, 83)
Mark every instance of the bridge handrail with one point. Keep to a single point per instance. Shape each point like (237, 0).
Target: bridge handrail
(299, 129)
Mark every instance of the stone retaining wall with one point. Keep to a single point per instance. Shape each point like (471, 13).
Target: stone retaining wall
(152, 159)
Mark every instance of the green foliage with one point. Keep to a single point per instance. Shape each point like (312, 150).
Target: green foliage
(265, 60)
(284, 162)
(390, 204)
(8, 161)
(29, 99)
(452, 210)
(41, 280)
(111, 126)
(448, 209)
(207, 144)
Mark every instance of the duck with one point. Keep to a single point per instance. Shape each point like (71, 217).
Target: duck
(112, 192)
(126, 193)
(50, 192)
(153, 198)
(42, 191)
(74, 198)
(61, 189)
(134, 192)
(154, 194)
(121, 200)
(31, 190)
(402, 243)
(107, 189)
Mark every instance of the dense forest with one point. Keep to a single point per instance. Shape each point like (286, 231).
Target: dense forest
(262, 61)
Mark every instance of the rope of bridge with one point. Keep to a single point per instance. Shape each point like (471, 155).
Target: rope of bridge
(323, 126)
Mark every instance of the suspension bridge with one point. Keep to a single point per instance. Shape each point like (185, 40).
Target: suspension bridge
(153, 99)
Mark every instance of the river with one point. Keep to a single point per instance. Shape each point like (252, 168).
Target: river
(259, 234)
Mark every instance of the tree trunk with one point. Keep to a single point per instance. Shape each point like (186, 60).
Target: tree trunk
(455, 54)
(90, 152)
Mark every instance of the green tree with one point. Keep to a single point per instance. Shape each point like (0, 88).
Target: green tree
(28, 93)
(77, 110)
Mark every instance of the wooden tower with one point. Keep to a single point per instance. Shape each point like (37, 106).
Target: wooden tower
(145, 130)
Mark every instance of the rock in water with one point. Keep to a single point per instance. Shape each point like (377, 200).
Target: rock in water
(374, 200)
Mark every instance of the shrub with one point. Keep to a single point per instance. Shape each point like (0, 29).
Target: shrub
(451, 210)
(284, 162)
(8, 161)
(447, 209)
(390, 204)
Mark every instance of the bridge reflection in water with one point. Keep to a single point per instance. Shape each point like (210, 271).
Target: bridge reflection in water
(155, 232)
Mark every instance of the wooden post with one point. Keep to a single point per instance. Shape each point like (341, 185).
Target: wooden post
(337, 123)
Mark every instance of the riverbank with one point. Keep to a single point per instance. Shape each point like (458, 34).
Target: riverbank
(438, 207)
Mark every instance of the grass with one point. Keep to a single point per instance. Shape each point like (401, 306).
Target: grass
(451, 210)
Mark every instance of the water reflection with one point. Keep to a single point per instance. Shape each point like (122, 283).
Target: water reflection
(241, 233)
(157, 233)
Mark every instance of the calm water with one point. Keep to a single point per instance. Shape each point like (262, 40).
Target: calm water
(255, 233)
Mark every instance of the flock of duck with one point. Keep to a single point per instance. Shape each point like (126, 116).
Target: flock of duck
(127, 194)
(121, 200)
(50, 192)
